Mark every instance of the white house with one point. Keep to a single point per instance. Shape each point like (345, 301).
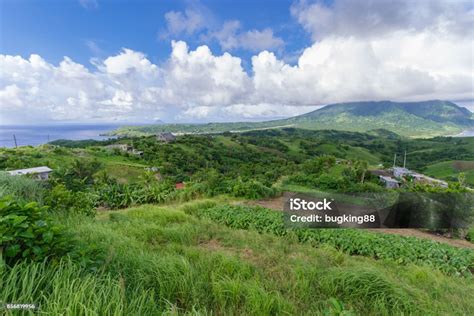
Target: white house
(40, 173)
(399, 172)
(390, 183)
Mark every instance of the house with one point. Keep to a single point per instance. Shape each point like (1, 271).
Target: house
(40, 173)
(179, 185)
(399, 172)
(390, 183)
(165, 137)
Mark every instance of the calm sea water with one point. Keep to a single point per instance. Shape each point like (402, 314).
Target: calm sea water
(37, 135)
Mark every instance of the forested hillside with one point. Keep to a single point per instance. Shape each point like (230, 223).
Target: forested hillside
(414, 119)
(166, 228)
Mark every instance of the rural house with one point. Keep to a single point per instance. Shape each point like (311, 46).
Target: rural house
(40, 173)
(399, 172)
(165, 137)
(390, 183)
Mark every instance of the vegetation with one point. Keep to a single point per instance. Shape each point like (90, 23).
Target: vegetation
(92, 240)
(27, 233)
(416, 119)
(400, 249)
(165, 260)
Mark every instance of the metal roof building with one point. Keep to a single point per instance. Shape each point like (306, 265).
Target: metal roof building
(41, 173)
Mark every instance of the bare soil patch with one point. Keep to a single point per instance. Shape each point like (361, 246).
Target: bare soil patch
(279, 202)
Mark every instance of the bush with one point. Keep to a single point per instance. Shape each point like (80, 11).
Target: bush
(63, 200)
(252, 189)
(27, 232)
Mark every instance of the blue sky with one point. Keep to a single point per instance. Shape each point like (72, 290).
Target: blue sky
(86, 29)
(198, 61)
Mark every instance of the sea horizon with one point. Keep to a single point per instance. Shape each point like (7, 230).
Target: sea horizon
(34, 135)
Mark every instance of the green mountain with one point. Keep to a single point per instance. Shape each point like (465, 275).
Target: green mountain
(428, 118)
(413, 119)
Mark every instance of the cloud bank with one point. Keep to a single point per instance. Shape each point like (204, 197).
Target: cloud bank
(388, 54)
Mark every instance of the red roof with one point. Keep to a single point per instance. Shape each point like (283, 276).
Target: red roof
(179, 185)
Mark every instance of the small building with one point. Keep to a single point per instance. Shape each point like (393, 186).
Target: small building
(40, 173)
(390, 183)
(165, 137)
(179, 185)
(399, 172)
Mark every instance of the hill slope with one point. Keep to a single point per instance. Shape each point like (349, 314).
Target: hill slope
(414, 119)
(410, 119)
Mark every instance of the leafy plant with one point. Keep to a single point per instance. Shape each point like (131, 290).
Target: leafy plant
(26, 232)
(402, 250)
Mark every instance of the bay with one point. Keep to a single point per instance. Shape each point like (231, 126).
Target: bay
(38, 135)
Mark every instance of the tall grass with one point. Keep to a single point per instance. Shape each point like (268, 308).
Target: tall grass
(161, 260)
(21, 187)
(66, 289)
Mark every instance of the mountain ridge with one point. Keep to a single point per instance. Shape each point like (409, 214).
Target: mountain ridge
(412, 119)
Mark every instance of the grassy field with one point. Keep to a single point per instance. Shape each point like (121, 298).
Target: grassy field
(164, 260)
(451, 169)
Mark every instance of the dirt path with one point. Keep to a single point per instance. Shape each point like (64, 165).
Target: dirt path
(278, 203)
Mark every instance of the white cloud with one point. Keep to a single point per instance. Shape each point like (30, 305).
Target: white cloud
(418, 60)
(198, 20)
(366, 19)
(89, 4)
(187, 22)
(231, 37)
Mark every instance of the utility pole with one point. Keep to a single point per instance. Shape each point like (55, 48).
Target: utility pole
(405, 159)
(48, 138)
(394, 160)
(14, 139)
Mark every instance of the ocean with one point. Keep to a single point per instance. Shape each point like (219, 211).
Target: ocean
(37, 135)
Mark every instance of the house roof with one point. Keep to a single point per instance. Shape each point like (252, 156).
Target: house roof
(41, 169)
(401, 169)
(388, 179)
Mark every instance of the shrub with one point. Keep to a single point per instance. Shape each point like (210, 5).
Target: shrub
(63, 200)
(27, 232)
(21, 187)
(252, 189)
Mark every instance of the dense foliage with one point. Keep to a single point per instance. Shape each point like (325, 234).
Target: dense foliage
(403, 250)
(27, 232)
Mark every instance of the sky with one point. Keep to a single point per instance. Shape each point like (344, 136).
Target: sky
(91, 61)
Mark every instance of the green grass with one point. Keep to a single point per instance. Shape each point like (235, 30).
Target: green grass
(164, 260)
(450, 170)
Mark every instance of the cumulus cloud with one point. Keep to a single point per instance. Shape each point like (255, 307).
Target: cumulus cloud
(198, 20)
(415, 61)
(188, 22)
(231, 37)
(374, 18)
